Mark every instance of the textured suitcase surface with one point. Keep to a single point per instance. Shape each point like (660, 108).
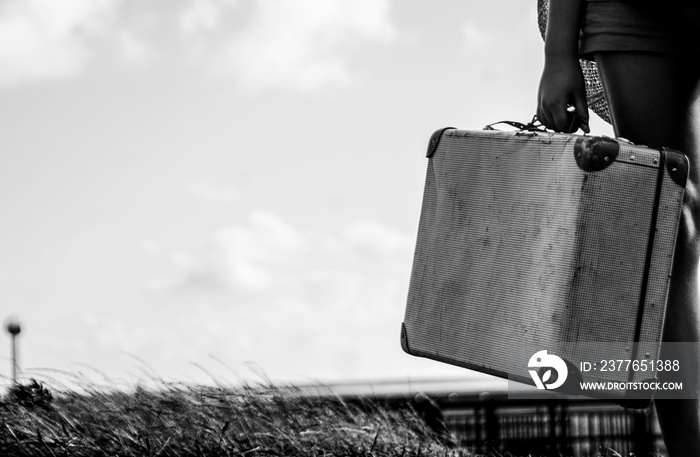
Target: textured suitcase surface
(535, 240)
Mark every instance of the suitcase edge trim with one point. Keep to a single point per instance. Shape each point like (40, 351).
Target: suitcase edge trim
(624, 401)
(450, 361)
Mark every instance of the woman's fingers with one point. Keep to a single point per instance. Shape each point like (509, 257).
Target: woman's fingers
(556, 119)
(543, 117)
(581, 111)
(567, 119)
(562, 119)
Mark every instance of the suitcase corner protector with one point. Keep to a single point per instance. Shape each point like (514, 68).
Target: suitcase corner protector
(595, 153)
(677, 166)
(635, 403)
(404, 339)
(435, 139)
(639, 403)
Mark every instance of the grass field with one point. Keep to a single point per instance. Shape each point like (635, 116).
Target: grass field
(182, 420)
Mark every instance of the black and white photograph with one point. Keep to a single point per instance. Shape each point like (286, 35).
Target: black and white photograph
(350, 228)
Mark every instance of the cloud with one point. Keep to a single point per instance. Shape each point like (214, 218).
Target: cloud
(300, 44)
(293, 301)
(42, 39)
(297, 44)
(268, 261)
(132, 49)
(475, 37)
(202, 15)
(370, 236)
(304, 43)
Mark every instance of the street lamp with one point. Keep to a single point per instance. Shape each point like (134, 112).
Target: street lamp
(13, 329)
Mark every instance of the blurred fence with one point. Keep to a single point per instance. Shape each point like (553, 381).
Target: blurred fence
(576, 427)
(487, 421)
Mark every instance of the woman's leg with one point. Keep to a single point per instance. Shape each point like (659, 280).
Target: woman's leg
(655, 101)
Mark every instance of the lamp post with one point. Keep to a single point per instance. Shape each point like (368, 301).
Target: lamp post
(13, 329)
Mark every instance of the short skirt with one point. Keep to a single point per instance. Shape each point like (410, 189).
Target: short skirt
(671, 27)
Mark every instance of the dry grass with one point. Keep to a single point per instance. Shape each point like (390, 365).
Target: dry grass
(182, 420)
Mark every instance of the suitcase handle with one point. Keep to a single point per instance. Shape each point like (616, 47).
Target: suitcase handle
(517, 125)
(533, 126)
(536, 126)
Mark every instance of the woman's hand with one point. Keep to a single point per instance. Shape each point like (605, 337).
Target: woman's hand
(562, 86)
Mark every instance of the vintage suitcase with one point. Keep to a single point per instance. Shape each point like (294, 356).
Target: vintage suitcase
(532, 241)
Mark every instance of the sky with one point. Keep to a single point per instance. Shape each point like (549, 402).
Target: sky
(206, 190)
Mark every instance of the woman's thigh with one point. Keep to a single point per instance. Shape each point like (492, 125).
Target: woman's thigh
(654, 100)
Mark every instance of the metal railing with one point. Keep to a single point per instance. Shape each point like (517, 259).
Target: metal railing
(576, 427)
